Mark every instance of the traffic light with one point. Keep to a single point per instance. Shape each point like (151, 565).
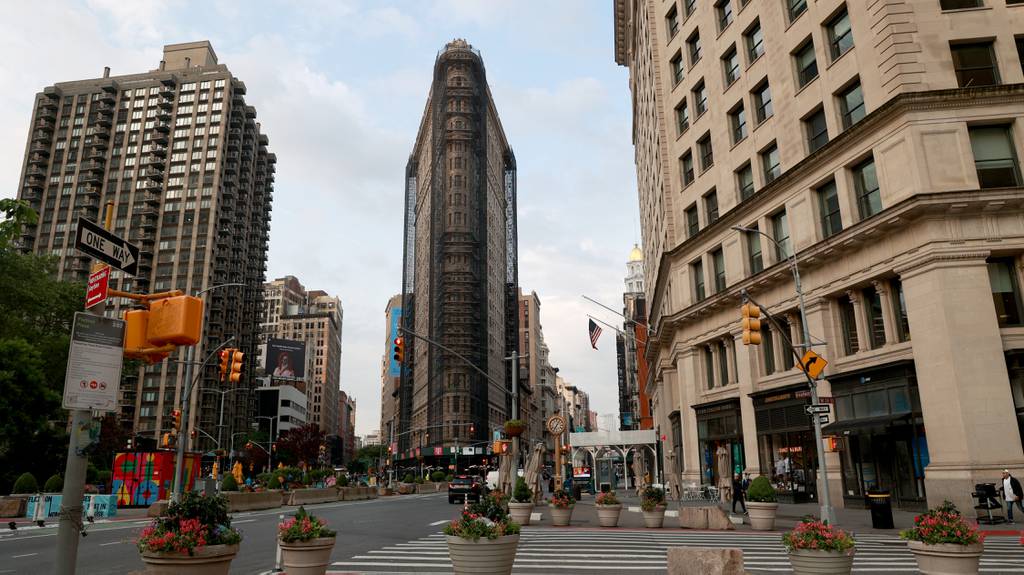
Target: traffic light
(751, 324)
(225, 363)
(166, 441)
(235, 370)
(248, 445)
(177, 420)
(399, 355)
(472, 429)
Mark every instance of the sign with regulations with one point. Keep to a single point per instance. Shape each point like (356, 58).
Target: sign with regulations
(91, 239)
(823, 418)
(812, 363)
(99, 281)
(817, 408)
(94, 363)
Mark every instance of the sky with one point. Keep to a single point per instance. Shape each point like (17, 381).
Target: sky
(340, 87)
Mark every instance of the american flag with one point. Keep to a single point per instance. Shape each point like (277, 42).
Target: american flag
(595, 332)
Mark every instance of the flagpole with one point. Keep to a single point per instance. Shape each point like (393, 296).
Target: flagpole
(646, 326)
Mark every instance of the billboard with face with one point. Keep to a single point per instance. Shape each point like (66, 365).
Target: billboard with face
(286, 359)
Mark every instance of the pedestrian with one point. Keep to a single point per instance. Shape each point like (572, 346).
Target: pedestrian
(1012, 493)
(738, 493)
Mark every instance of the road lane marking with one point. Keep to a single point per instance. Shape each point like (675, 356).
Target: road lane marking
(111, 543)
(25, 555)
(441, 522)
(243, 521)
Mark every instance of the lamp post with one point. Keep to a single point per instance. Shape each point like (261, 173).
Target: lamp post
(231, 455)
(270, 441)
(826, 498)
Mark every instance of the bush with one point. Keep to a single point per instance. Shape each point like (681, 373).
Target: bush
(55, 484)
(104, 477)
(263, 478)
(449, 477)
(522, 493)
(942, 524)
(274, 483)
(343, 481)
(607, 498)
(420, 481)
(91, 473)
(407, 478)
(229, 483)
(761, 490)
(651, 498)
(816, 534)
(437, 476)
(26, 483)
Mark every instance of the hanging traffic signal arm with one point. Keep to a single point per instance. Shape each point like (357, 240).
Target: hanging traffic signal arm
(777, 328)
(169, 319)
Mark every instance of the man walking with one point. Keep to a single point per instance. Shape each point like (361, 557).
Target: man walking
(738, 493)
(1013, 494)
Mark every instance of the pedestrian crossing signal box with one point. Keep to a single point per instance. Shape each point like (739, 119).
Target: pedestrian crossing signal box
(175, 320)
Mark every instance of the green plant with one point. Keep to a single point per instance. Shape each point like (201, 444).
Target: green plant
(343, 481)
(229, 483)
(651, 498)
(408, 478)
(419, 480)
(274, 482)
(514, 426)
(303, 527)
(104, 477)
(561, 499)
(55, 484)
(26, 483)
(761, 490)
(264, 478)
(449, 477)
(814, 534)
(522, 493)
(472, 526)
(942, 524)
(607, 498)
(437, 476)
(193, 522)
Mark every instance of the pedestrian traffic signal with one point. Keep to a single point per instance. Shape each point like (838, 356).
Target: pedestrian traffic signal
(225, 362)
(176, 425)
(166, 440)
(399, 355)
(235, 370)
(751, 324)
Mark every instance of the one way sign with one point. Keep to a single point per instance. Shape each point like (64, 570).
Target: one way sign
(97, 242)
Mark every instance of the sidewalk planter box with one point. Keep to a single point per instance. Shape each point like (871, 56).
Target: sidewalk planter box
(656, 518)
(560, 516)
(608, 515)
(13, 506)
(483, 556)
(520, 512)
(385, 491)
(307, 557)
(946, 558)
(762, 515)
(819, 562)
(251, 501)
(693, 517)
(312, 495)
(208, 560)
(406, 488)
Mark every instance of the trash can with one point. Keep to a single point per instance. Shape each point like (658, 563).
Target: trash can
(880, 503)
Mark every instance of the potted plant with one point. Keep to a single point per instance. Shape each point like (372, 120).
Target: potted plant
(652, 503)
(515, 427)
(483, 539)
(761, 504)
(816, 547)
(561, 504)
(306, 544)
(942, 541)
(521, 506)
(194, 536)
(608, 509)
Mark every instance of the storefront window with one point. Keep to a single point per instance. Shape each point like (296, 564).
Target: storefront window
(788, 460)
(718, 429)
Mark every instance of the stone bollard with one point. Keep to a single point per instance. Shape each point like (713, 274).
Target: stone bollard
(705, 561)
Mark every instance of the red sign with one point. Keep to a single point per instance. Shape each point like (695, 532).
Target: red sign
(438, 451)
(98, 283)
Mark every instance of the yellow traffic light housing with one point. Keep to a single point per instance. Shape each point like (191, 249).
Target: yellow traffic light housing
(751, 324)
(235, 370)
(225, 363)
(399, 352)
(177, 420)
(175, 320)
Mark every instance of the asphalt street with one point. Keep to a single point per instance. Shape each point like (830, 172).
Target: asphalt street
(362, 526)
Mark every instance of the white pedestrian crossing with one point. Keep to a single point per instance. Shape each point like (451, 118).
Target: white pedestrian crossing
(554, 550)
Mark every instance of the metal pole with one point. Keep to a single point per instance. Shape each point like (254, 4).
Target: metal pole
(186, 400)
(515, 414)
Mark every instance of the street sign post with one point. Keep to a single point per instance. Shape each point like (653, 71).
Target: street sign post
(91, 239)
(99, 282)
(817, 408)
(94, 363)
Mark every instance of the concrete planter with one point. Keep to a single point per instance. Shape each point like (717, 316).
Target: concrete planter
(560, 516)
(608, 515)
(762, 515)
(520, 512)
(307, 557)
(209, 560)
(406, 488)
(656, 518)
(946, 558)
(313, 495)
(819, 562)
(243, 501)
(483, 556)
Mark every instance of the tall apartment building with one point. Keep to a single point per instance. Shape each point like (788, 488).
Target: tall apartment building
(630, 347)
(531, 336)
(390, 371)
(180, 155)
(877, 143)
(291, 312)
(460, 283)
(347, 426)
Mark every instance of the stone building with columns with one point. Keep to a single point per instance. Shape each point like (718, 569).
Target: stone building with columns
(878, 143)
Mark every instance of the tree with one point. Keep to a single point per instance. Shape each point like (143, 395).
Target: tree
(300, 445)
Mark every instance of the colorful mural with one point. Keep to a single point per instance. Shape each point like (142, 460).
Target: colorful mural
(142, 478)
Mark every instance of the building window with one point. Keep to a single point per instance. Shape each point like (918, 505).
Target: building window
(718, 265)
(754, 39)
(786, 351)
(768, 347)
(806, 64)
(975, 64)
(828, 203)
(731, 66)
(770, 163)
(817, 130)
(745, 181)
(754, 257)
(689, 6)
(677, 68)
(682, 117)
(840, 36)
(672, 21)
(709, 366)
(851, 105)
(780, 233)
(876, 323)
(899, 306)
(707, 156)
(848, 320)
(738, 123)
(700, 98)
(686, 168)
(763, 102)
(795, 8)
(693, 45)
(724, 10)
(994, 158)
(960, 4)
(711, 206)
(692, 221)
(1020, 49)
(697, 270)
(1003, 276)
(865, 180)
(723, 363)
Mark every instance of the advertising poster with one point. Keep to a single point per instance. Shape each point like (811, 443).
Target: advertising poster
(286, 359)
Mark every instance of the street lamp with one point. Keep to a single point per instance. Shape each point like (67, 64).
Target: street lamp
(826, 499)
(220, 417)
(270, 441)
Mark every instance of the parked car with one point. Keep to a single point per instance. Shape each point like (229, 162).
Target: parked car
(464, 488)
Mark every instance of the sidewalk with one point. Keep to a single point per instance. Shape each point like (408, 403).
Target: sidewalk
(123, 514)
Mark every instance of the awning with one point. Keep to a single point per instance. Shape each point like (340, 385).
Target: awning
(880, 421)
